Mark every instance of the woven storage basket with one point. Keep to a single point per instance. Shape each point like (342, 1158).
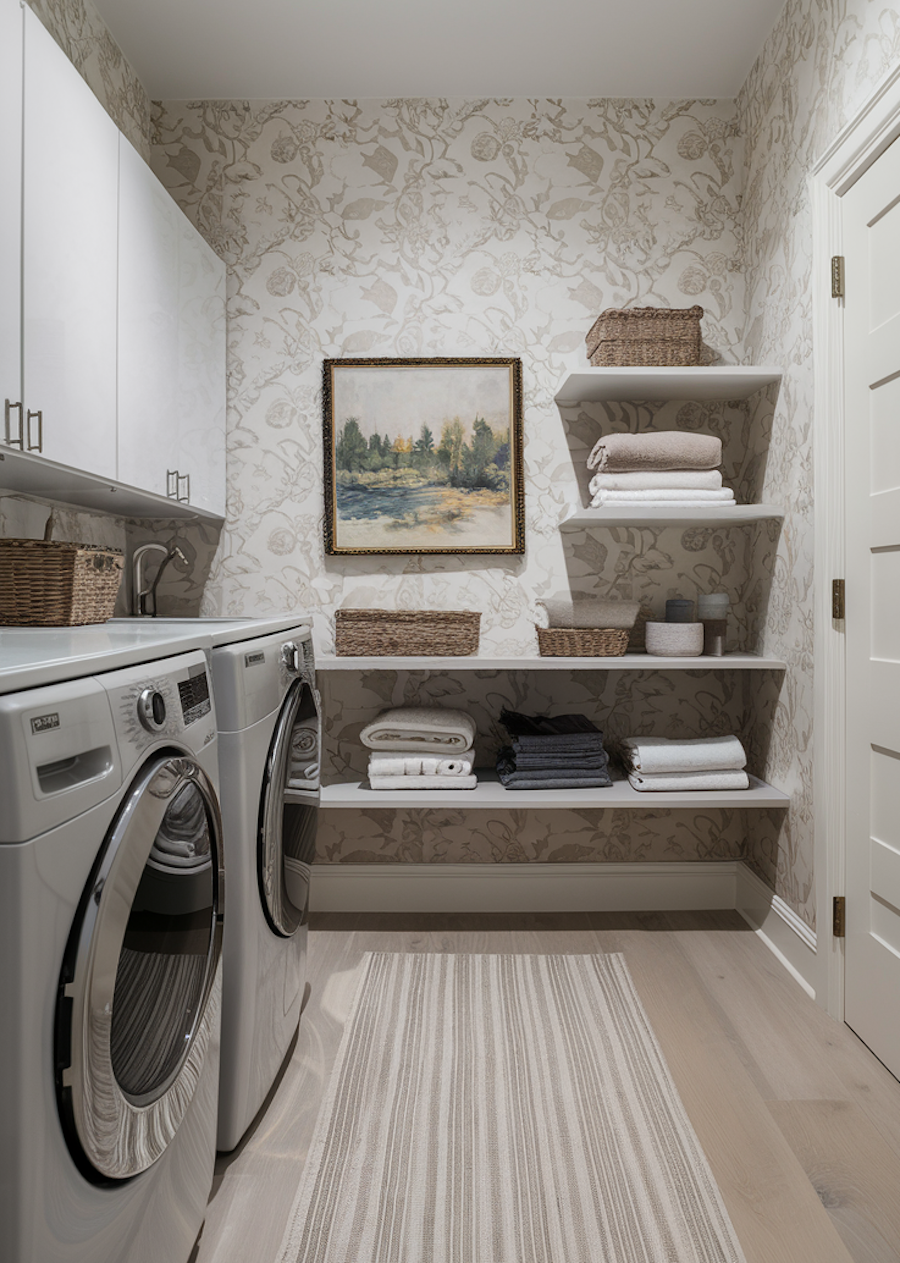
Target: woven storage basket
(418, 633)
(582, 642)
(660, 337)
(46, 583)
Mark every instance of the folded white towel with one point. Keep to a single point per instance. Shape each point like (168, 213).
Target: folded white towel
(420, 728)
(383, 764)
(689, 781)
(667, 493)
(602, 500)
(652, 479)
(423, 782)
(652, 756)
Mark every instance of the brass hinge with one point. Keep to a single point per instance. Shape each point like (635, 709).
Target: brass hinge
(837, 276)
(838, 917)
(838, 604)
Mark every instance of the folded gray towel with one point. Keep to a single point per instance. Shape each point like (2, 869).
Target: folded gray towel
(655, 449)
(523, 781)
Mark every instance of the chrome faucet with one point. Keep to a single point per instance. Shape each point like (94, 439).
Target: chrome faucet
(143, 599)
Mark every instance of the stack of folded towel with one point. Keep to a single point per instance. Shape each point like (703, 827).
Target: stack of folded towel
(565, 752)
(657, 763)
(421, 747)
(674, 467)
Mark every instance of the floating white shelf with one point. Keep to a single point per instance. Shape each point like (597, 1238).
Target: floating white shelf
(590, 385)
(626, 662)
(37, 476)
(489, 794)
(669, 515)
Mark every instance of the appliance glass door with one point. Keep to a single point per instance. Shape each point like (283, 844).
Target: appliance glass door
(136, 1011)
(288, 814)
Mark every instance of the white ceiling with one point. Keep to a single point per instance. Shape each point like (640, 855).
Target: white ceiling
(402, 48)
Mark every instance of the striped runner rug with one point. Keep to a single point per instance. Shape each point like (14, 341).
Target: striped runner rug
(503, 1109)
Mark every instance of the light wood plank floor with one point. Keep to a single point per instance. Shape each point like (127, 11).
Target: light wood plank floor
(800, 1123)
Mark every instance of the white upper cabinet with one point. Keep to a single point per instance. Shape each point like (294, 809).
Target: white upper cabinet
(201, 370)
(10, 219)
(149, 229)
(171, 389)
(69, 260)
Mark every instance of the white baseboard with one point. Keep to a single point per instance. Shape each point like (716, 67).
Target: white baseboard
(573, 888)
(779, 927)
(523, 887)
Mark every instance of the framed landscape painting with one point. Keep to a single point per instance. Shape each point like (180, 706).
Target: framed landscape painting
(423, 456)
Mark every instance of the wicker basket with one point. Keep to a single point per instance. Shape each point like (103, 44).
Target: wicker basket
(415, 633)
(661, 337)
(45, 583)
(582, 642)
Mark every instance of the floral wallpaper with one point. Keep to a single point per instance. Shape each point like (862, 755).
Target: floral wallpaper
(820, 64)
(85, 39)
(495, 227)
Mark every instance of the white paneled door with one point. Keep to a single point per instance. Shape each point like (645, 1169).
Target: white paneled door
(871, 234)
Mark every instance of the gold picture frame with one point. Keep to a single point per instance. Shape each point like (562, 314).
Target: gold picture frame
(423, 456)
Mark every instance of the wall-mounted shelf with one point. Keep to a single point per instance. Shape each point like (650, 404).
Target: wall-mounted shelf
(30, 475)
(625, 662)
(592, 385)
(669, 515)
(489, 794)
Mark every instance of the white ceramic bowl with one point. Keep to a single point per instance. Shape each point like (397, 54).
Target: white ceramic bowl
(674, 640)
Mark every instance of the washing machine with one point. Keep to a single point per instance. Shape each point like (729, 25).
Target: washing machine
(111, 919)
(269, 735)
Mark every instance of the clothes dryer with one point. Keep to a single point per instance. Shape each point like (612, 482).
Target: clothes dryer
(111, 905)
(269, 757)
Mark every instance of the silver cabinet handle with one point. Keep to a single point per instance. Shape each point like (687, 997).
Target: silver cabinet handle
(186, 479)
(18, 439)
(172, 483)
(39, 445)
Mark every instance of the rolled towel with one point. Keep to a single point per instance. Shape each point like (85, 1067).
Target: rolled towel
(560, 612)
(651, 479)
(668, 495)
(652, 756)
(689, 781)
(423, 782)
(384, 764)
(655, 449)
(420, 728)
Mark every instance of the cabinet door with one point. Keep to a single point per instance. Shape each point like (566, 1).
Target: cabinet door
(201, 369)
(150, 226)
(11, 213)
(70, 196)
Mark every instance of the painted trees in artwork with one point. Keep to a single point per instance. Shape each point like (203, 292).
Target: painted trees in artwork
(478, 459)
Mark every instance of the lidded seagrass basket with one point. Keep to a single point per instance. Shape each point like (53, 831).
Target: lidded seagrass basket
(663, 337)
(414, 633)
(49, 583)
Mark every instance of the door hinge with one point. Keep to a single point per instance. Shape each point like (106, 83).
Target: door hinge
(838, 604)
(837, 276)
(838, 917)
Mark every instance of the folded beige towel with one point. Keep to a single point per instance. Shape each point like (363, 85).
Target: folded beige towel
(617, 615)
(665, 479)
(654, 756)
(423, 782)
(655, 449)
(420, 728)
